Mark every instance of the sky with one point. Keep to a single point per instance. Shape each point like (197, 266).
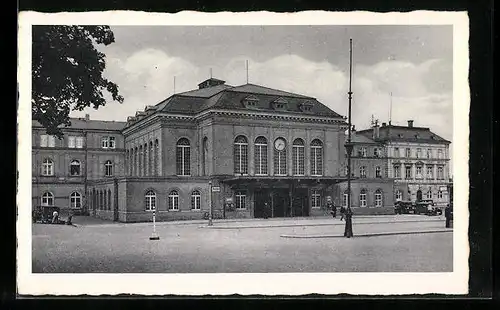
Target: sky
(414, 63)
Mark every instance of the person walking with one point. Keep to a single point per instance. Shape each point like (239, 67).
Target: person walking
(332, 208)
(342, 213)
(55, 217)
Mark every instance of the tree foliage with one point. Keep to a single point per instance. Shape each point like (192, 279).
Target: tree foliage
(67, 73)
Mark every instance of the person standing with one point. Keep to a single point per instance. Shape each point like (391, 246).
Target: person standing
(55, 217)
(332, 208)
(447, 215)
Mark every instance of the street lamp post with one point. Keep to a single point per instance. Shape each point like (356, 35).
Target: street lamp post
(348, 216)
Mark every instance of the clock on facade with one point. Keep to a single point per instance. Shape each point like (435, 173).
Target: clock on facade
(279, 144)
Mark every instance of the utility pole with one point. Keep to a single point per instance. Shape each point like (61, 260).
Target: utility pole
(210, 203)
(348, 216)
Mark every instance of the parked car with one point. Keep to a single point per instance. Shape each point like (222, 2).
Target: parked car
(404, 207)
(427, 207)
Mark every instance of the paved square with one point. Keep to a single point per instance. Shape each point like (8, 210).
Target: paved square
(195, 248)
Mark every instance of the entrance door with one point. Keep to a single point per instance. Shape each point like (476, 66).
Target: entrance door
(281, 203)
(300, 206)
(419, 195)
(261, 197)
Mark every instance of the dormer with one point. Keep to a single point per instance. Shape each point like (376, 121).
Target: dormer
(250, 101)
(306, 106)
(149, 109)
(280, 103)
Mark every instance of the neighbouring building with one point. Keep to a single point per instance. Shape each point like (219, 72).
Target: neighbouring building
(417, 160)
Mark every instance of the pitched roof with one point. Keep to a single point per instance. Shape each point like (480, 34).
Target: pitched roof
(359, 138)
(77, 123)
(406, 134)
(229, 97)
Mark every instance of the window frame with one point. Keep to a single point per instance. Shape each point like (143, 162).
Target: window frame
(317, 168)
(173, 200)
(362, 198)
(49, 197)
(150, 200)
(196, 200)
(108, 164)
(74, 197)
(48, 167)
(240, 199)
(260, 154)
(379, 198)
(72, 164)
(298, 157)
(315, 199)
(240, 155)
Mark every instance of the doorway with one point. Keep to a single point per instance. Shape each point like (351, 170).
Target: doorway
(419, 195)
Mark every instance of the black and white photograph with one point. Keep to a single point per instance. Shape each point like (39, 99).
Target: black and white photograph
(194, 153)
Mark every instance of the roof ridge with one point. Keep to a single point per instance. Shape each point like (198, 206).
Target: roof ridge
(283, 91)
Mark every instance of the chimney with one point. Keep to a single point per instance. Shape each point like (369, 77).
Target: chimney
(375, 131)
(87, 117)
(410, 123)
(384, 124)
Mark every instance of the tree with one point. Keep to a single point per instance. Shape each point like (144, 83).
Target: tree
(67, 73)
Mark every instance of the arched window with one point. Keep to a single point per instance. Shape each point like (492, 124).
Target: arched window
(75, 200)
(47, 199)
(140, 165)
(399, 195)
(110, 201)
(316, 157)
(362, 172)
(74, 169)
(240, 155)
(173, 201)
(196, 200)
(204, 158)
(280, 166)
(378, 198)
(261, 156)
(151, 159)
(150, 200)
(298, 155)
(108, 168)
(47, 167)
(378, 172)
(157, 156)
(183, 157)
(146, 160)
(136, 163)
(362, 198)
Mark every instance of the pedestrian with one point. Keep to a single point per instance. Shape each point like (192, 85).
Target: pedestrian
(266, 210)
(332, 208)
(342, 213)
(447, 215)
(55, 217)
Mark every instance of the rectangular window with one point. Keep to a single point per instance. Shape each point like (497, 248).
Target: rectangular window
(408, 152)
(419, 153)
(362, 199)
(47, 141)
(79, 142)
(429, 153)
(71, 142)
(104, 142)
(397, 172)
(440, 154)
(396, 152)
(430, 174)
(440, 173)
(261, 159)
(112, 143)
(240, 200)
(407, 172)
(298, 154)
(419, 171)
(363, 151)
(378, 172)
(315, 199)
(362, 172)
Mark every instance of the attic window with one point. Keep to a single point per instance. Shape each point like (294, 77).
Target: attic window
(417, 136)
(400, 135)
(432, 137)
(280, 103)
(306, 106)
(250, 101)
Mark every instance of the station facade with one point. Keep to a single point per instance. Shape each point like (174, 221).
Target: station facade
(245, 150)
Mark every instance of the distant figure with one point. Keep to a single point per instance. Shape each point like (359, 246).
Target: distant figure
(70, 218)
(55, 217)
(266, 210)
(333, 209)
(447, 215)
(342, 213)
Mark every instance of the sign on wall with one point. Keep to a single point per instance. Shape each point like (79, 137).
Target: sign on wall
(215, 188)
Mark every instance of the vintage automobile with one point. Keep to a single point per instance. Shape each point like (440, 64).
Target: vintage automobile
(427, 207)
(404, 207)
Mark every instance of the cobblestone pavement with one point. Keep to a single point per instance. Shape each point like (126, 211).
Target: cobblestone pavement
(123, 248)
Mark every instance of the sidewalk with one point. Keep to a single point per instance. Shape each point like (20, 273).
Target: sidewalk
(369, 234)
(88, 221)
